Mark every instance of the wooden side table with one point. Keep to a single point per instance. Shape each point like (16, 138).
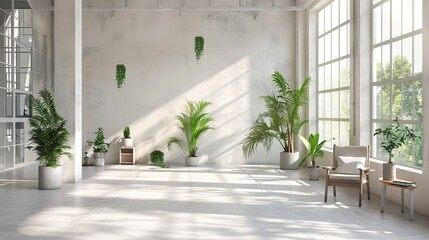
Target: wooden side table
(127, 156)
(410, 189)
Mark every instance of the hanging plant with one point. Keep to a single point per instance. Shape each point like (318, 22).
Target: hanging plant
(199, 47)
(120, 75)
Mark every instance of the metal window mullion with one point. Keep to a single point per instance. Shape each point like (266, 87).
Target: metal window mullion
(333, 90)
(400, 37)
(334, 60)
(396, 80)
(335, 28)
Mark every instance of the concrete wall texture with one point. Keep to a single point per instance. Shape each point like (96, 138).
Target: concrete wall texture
(242, 50)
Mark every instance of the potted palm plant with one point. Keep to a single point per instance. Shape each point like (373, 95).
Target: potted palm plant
(314, 151)
(393, 137)
(48, 139)
(127, 141)
(192, 123)
(99, 147)
(281, 121)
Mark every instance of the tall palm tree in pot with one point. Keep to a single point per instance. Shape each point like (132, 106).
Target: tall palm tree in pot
(281, 121)
(48, 139)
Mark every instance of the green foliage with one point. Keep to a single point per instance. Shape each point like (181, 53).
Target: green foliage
(127, 132)
(157, 157)
(192, 123)
(314, 148)
(199, 47)
(48, 134)
(395, 136)
(120, 75)
(282, 120)
(98, 145)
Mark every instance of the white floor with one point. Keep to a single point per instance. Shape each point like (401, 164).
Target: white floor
(208, 202)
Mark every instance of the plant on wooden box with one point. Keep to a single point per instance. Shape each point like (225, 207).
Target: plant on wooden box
(120, 75)
(157, 158)
(199, 47)
(127, 141)
(192, 123)
(281, 121)
(99, 147)
(48, 139)
(394, 137)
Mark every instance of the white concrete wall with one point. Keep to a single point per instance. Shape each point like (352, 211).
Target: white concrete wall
(242, 50)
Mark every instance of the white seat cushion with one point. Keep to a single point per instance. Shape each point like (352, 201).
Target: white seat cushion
(349, 165)
(348, 177)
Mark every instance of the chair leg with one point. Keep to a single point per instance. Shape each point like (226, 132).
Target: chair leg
(368, 189)
(326, 191)
(335, 191)
(360, 195)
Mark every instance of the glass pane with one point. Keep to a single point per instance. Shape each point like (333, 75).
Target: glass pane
(377, 97)
(321, 50)
(345, 104)
(344, 133)
(328, 105)
(2, 134)
(418, 95)
(335, 44)
(344, 41)
(335, 105)
(344, 10)
(407, 57)
(385, 56)
(418, 55)
(407, 13)
(418, 12)
(418, 147)
(335, 14)
(396, 57)
(5, 75)
(377, 151)
(321, 80)
(19, 133)
(8, 103)
(376, 65)
(328, 76)
(344, 73)
(321, 129)
(376, 25)
(328, 133)
(7, 133)
(24, 80)
(386, 21)
(328, 18)
(404, 155)
(385, 102)
(19, 154)
(396, 18)
(335, 133)
(2, 158)
(335, 74)
(22, 105)
(407, 101)
(397, 101)
(321, 105)
(321, 22)
(328, 47)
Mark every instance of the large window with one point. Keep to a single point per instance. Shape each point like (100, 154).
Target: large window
(333, 91)
(397, 72)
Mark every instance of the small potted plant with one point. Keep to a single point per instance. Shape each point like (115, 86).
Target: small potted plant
(314, 148)
(99, 147)
(48, 139)
(393, 137)
(127, 141)
(193, 123)
(157, 158)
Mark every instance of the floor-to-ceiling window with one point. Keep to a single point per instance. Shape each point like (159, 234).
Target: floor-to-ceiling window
(397, 72)
(16, 38)
(333, 91)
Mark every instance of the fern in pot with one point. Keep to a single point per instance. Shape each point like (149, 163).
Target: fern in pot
(280, 122)
(99, 146)
(48, 139)
(192, 124)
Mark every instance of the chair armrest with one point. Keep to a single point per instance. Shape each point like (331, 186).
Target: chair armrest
(366, 169)
(326, 167)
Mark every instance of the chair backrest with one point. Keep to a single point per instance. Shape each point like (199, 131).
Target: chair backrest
(351, 151)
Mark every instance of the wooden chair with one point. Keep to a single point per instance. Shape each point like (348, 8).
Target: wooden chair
(350, 169)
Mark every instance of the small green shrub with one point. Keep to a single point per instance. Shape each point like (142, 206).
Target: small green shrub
(127, 132)
(157, 157)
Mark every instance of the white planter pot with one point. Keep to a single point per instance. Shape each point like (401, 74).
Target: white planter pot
(314, 174)
(192, 161)
(389, 171)
(289, 161)
(50, 178)
(127, 142)
(98, 159)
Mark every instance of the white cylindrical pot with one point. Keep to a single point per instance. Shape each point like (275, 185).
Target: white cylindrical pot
(314, 174)
(50, 178)
(289, 161)
(389, 171)
(127, 142)
(99, 159)
(192, 161)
